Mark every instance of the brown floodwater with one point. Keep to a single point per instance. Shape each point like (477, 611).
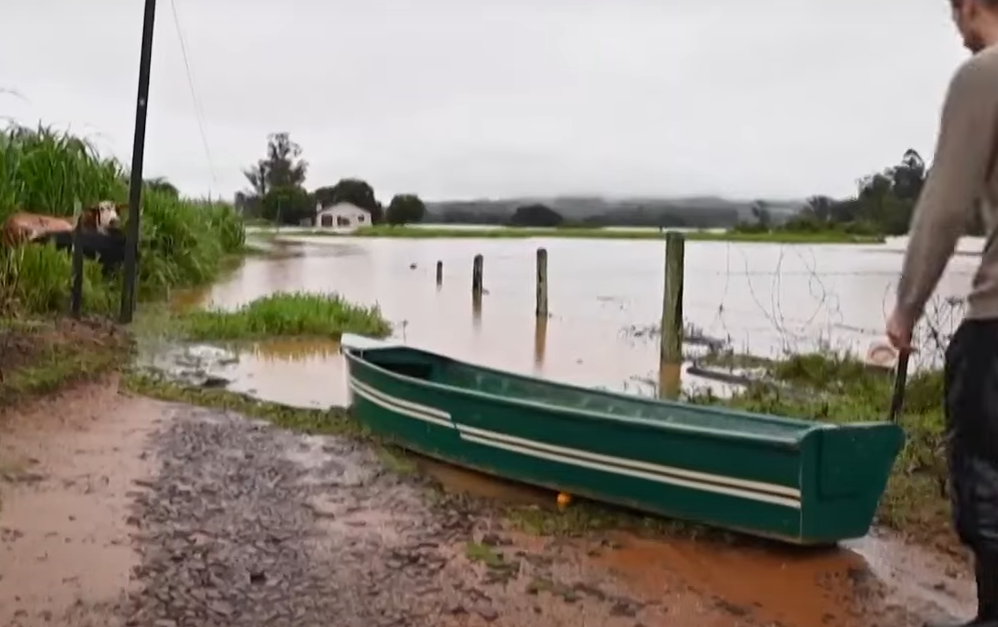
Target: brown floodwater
(605, 295)
(292, 372)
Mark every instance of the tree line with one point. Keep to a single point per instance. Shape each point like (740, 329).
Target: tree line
(278, 194)
(883, 203)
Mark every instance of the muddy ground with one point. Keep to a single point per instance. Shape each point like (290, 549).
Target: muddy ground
(41, 355)
(120, 510)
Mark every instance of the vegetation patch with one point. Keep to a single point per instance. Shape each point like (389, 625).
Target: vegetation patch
(484, 554)
(39, 357)
(396, 459)
(286, 314)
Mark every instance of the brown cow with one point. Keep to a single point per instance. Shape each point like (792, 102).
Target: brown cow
(24, 227)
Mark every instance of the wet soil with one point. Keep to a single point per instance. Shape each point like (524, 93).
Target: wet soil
(67, 466)
(121, 510)
(40, 353)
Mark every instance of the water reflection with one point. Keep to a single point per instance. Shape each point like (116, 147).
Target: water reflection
(187, 299)
(669, 380)
(292, 350)
(540, 342)
(299, 373)
(476, 312)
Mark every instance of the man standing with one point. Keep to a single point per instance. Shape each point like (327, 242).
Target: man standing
(963, 173)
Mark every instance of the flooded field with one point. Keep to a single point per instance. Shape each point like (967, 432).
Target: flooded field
(605, 301)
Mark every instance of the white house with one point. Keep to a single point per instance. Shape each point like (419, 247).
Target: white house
(342, 216)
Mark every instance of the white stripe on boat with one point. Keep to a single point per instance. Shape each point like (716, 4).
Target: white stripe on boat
(620, 470)
(719, 484)
(406, 408)
(631, 464)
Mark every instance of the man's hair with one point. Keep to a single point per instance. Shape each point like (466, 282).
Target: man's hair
(991, 4)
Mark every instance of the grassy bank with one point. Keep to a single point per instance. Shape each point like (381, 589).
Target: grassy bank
(39, 357)
(284, 315)
(184, 242)
(443, 232)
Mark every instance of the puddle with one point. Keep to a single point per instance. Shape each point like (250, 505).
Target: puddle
(916, 578)
(792, 587)
(877, 575)
(298, 373)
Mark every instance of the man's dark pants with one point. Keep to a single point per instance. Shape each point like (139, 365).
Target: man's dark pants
(971, 393)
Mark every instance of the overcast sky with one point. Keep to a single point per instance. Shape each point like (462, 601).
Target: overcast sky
(468, 98)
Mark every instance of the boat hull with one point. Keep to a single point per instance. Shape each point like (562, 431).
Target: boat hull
(803, 483)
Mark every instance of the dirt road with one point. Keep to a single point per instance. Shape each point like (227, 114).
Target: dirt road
(121, 510)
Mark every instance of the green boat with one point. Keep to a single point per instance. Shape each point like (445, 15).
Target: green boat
(797, 481)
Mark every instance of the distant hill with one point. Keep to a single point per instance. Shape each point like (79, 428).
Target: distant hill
(694, 211)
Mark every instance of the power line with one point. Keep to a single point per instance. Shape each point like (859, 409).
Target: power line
(198, 112)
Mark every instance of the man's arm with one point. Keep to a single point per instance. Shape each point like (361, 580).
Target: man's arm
(964, 150)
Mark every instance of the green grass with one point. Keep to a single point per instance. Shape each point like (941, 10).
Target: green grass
(48, 356)
(183, 242)
(483, 553)
(778, 237)
(285, 314)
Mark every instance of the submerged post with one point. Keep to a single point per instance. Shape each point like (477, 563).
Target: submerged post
(138, 152)
(476, 313)
(671, 352)
(541, 310)
(440, 273)
(476, 278)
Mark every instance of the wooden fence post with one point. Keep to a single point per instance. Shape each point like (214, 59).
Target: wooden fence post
(476, 277)
(672, 315)
(76, 284)
(541, 310)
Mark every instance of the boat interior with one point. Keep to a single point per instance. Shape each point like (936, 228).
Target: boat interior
(507, 387)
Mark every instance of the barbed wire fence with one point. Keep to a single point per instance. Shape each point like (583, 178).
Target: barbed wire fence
(819, 322)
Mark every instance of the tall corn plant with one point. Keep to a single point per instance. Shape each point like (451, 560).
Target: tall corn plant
(10, 275)
(45, 170)
(181, 243)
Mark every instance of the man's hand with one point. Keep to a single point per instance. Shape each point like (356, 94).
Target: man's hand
(899, 330)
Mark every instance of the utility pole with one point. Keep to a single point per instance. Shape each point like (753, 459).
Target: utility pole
(138, 152)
